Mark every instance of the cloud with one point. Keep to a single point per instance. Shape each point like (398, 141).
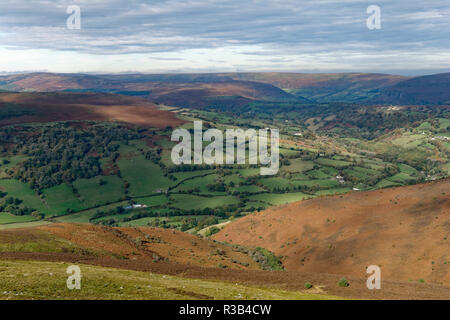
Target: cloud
(275, 33)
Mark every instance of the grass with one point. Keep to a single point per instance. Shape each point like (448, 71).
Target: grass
(24, 224)
(443, 123)
(188, 202)
(248, 188)
(153, 201)
(332, 191)
(142, 221)
(125, 215)
(47, 281)
(94, 194)
(401, 178)
(170, 220)
(38, 241)
(282, 198)
(323, 184)
(18, 189)
(424, 126)
(407, 169)
(85, 215)
(255, 204)
(298, 165)
(60, 198)
(190, 174)
(386, 183)
(201, 183)
(323, 173)
(273, 183)
(13, 161)
(362, 173)
(446, 167)
(144, 176)
(6, 218)
(249, 172)
(333, 163)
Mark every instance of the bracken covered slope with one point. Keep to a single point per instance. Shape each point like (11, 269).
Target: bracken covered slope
(405, 231)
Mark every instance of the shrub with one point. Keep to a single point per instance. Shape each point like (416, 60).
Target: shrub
(343, 283)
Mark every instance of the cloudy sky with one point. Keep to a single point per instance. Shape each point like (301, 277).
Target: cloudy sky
(225, 35)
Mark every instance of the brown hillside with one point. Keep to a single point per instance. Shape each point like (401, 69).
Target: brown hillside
(306, 80)
(18, 108)
(175, 90)
(143, 245)
(405, 230)
(120, 248)
(205, 94)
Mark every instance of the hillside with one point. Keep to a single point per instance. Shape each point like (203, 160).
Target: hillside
(117, 284)
(433, 89)
(325, 87)
(231, 90)
(181, 91)
(228, 94)
(18, 108)
(152, 263)
(138, 248)
(404, 230)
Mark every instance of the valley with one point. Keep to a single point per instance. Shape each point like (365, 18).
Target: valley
(86, 176)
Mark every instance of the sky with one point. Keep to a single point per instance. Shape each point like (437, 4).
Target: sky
(175, 36)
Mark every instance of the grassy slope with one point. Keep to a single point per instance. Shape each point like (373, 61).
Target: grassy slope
(47, 280)
(94, 194)
(145, 176)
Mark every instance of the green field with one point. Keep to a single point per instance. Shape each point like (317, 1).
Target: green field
(298, 165)
(361, 174)
(200, 184)
(323, 173)
(12, 162)
(144, 176)
(60, 199)
(21, 190)
(333, 163)
(332, 191)
(93, 193)
(277, 199)
(127, 165)
(6, 218)
(385, 183)
(401, 178)
(322, 184)
(85, 215)
(189, 202)
(275, 183)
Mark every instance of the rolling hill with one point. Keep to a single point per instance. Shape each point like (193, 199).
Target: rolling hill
(405, 230)
(237, 89)
(326, 87)
(433, 89)
(152, 263)
(180, 91)
(18, 108)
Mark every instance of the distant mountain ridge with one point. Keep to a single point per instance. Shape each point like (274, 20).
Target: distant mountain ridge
(177, 90)
(433, 89)
(327, 87)
(190, 90)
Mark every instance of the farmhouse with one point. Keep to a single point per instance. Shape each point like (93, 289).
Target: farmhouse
(135, 206)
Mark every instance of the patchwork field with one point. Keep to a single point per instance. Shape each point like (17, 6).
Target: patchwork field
(87, 178)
